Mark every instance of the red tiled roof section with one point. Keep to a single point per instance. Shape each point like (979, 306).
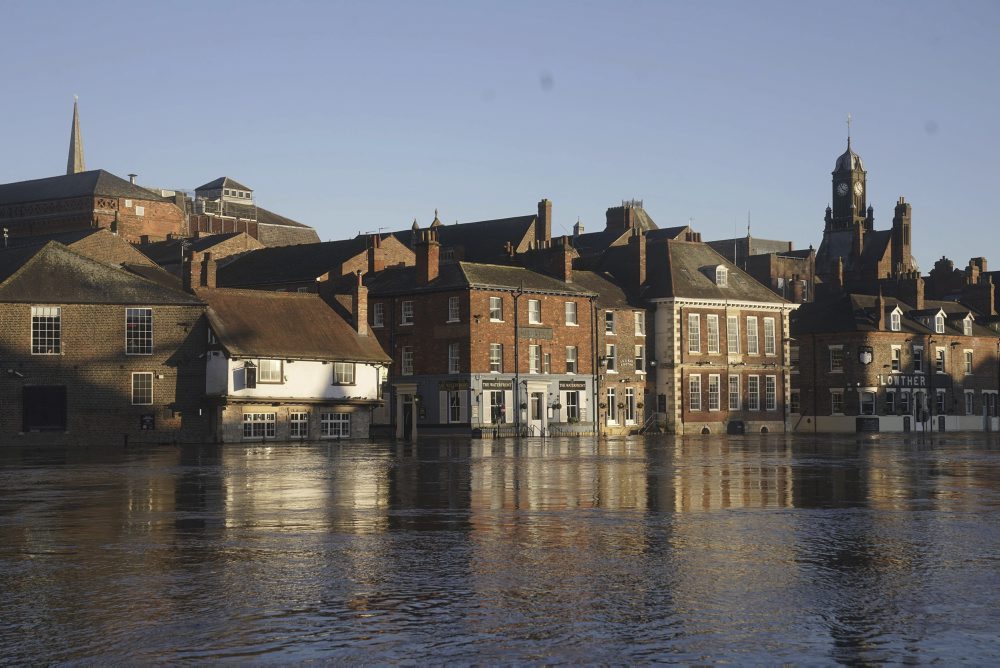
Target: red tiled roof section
(285, 325)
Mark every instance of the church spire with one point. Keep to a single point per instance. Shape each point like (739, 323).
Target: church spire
(75, 162)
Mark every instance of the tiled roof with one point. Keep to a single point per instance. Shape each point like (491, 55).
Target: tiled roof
(859, 313)
(57, 274)
(81, 184)
(255, 323)
(464, 275)
(222, 182)
(682, 268)
(288, 264)
(169, 251)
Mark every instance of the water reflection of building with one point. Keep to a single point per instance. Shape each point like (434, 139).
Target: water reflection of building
(727, 474)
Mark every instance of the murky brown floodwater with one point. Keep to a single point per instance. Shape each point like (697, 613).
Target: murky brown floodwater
(747, 550)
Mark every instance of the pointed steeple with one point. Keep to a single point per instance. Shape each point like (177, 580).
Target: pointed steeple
(75, 163)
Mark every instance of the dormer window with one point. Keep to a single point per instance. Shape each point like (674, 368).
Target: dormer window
(895, 321)
(939, 324)
(722, 276)
(967, 326)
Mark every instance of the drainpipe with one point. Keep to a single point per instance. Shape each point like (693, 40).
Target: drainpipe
(595, 367)
(517, 362)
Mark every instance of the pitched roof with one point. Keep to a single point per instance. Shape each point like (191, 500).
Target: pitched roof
(223, 182)
(859, 313)
(481, 241)
(681, 269)
(289, 264)
(169, 250)
(465, 275)
(81, 184)
(57, 274)
(255, 323)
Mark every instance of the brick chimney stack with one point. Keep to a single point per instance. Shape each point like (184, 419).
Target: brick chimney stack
(880, 307)
(637, 258)
(543, 224)
(376, 256)
(562, 259)
(428, 257)
(208, 271)
(191, 272)
(359, 310)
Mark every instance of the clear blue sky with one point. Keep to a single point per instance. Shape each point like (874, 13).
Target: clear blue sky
(354, 116)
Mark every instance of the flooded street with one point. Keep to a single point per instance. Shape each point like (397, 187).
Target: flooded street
(700, 549)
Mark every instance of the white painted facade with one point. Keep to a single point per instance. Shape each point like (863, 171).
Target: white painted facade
(300, 380)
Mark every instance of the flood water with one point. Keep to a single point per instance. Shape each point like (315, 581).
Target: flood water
(756, 549)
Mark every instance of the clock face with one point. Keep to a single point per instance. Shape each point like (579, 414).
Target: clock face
(858, 188)
(842, 188)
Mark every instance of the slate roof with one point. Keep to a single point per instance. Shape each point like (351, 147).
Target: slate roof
(465, 275)
(481, 241)
(223, 182)
(609, 293)
(256, 323)
(858, 313)
(82, 184)
(56, 274)
(678, 269)
(169, 250)
(288, 264)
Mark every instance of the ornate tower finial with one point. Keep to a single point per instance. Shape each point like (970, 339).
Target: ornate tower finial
(75, 164)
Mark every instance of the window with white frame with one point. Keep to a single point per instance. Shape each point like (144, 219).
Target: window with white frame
(733, 334)
(694, 392)
(259, 425)
(546, 362)
(939, 324)
(454, 406)
(572, 406)
(640, 358)
(714, 391)
(138, 331)
(867, 402)
(939, 360)
(610, 357)
(406, 312)
(378, 315)
(612, 398)
(897, 358)
(571, 366)
(142, 389)
(968, 361)
(406, 359)
(534, 312)
(752, 342)
(770, 346)
(609, 322)
(640, 323)
(836, 359)
(46, 330)
(496, 309)
(904, 403)
(496, 357)
(967, 327)
(770, 393)
(298, 425)
(694, 332)
(453, 315)
(940, 402)
(918, 359)
(269, 371)
(721, 276)
(343, 373)
(629, 405)
(335, 425)
(571, 315)
(753, 393)
(453, 358)
(534, 359)
(895, 321)
(837, 402)
(712, 325)
(734, 393)
(968, 403)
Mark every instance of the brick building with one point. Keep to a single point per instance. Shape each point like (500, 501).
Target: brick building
(874, 363)
(486, 348)
(92, 353)
(790, 273)
(170, 254)
(721, 343)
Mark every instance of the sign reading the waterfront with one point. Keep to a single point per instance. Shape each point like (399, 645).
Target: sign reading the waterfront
(572, 385)
(498, 384)
(899, 380)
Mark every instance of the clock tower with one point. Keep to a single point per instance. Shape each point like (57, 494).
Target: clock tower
(850, 193)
